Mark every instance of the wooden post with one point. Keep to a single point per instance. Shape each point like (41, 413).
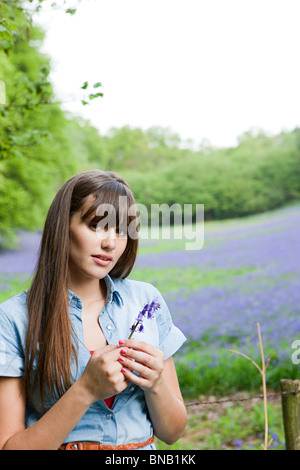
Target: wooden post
(290, 400)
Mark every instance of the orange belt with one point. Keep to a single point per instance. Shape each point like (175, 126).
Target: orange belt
(98, 446)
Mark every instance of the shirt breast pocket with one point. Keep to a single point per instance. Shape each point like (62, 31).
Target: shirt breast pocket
(148, 335)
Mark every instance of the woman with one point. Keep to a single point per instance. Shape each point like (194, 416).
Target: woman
(69, 377)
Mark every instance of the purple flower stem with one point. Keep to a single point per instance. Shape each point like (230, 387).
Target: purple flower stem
(138, 322)
(133, 330)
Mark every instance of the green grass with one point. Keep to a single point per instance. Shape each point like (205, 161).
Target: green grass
(205, 371)
(233, 425)
(172, 279)
(15, 285)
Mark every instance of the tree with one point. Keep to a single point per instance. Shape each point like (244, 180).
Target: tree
(35, 154)
(128, 147)
(36, 150)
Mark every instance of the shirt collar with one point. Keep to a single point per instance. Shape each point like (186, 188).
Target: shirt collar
(112, 293)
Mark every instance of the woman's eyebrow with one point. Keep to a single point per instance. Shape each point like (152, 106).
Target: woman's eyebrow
(94, 218)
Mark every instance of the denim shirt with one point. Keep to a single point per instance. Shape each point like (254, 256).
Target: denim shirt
(128, 420)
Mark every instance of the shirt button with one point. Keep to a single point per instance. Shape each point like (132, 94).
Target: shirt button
(131, 389)
(109, 327)
(108, 416)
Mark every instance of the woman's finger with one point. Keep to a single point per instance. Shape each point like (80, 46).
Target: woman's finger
(138, 346)
(136, 367)
(139, 357)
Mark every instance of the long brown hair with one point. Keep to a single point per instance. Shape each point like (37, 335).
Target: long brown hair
(50, 336)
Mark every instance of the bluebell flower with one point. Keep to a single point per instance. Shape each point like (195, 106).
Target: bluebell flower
(274, 436)
(238, 442)
(148, 311)
(152, 308)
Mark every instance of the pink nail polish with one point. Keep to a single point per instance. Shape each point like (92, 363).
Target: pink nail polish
(124, 370)
(121, 359)
(121, 342)
(123, 351)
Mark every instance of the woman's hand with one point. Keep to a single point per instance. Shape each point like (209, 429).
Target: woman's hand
(144, 359)
(103, 375)
(158, 379)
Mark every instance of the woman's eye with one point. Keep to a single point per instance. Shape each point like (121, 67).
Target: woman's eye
(98, 226)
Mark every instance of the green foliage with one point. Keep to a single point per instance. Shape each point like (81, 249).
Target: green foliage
(260, 174)
(230, 183)
(35, 150)
(91, 96)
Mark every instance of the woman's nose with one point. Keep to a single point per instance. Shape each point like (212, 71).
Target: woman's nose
(108, 239)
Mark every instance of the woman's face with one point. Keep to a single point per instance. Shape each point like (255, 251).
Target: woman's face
(93, 251)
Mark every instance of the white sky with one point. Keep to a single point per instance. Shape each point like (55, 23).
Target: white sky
(209, 69)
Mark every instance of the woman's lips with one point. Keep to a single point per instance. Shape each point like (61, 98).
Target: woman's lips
(102, 260)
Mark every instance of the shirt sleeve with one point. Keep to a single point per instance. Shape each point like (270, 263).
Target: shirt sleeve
(170, 337)
(11, 355)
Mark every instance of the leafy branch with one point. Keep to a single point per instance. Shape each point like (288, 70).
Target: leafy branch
(91, 96)
(27, 92)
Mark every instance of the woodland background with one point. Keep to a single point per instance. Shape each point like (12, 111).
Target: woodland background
(41, 146)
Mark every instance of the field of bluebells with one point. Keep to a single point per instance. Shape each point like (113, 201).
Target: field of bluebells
(248, 271)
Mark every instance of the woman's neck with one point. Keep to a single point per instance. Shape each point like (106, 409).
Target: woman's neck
(91, 290)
